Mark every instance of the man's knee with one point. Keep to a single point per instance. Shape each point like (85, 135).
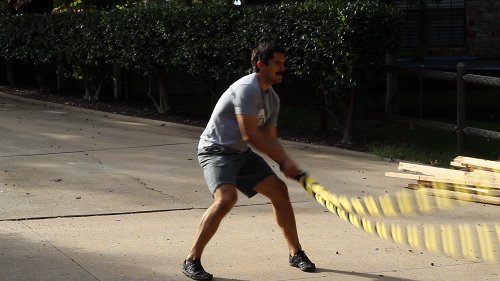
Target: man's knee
(281, 189)
(274, 188)
(225, 197)
(279, 185)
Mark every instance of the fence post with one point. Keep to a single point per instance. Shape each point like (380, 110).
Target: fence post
(391, 87)
(461, 107)
(421, 95)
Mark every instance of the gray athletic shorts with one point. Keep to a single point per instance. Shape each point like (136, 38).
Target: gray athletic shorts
(244, 170)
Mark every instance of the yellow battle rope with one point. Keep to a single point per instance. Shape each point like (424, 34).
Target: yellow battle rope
(458, 241)
(403, 203)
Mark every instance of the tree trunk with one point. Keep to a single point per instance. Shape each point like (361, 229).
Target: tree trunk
(330, 111)
(347, 137)
(94, 81)
(162, 86)
(322, 107)
(117, 82)
(162, 105)
(42, 74)
(86, 79)
(125, 84)
(60, 77)
(10, 73)
(98, 86)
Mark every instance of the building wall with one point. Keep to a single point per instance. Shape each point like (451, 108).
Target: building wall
(483, 27)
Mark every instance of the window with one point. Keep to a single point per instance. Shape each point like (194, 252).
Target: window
(431, 23)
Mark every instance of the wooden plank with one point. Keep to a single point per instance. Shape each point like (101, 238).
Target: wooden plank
(482, 80)
(459, 165)
(473, 169)
(479, 163)
(474, 181)
(424, 73)
(461, 188)
(488, 134)
(480, 170)
(428, 170)
(424, 123)
(484, 173)
(404, 176)
(440, 172)
(456, 195)
(476, 178)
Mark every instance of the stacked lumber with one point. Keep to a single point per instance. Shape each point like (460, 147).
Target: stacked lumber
(473, 164)
(469, 179)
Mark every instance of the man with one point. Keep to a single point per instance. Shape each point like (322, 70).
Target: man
(246, 113)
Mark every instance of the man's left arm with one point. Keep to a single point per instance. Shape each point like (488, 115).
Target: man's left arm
(271, 132)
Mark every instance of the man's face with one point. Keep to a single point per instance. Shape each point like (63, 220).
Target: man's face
(273, 72)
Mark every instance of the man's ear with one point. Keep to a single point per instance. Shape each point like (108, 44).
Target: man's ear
(260, 64)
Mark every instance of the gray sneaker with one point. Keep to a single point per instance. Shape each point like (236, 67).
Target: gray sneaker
(301, 261)
(195, 271)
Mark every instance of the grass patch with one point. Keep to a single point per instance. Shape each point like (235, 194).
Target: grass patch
(413, 152)
(395, 141)
(426, 146)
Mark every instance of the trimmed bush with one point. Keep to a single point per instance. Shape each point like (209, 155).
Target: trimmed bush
(333, 40)
(331, 44)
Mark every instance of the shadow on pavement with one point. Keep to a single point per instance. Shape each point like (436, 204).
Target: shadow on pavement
(372, 276)
(34, 258)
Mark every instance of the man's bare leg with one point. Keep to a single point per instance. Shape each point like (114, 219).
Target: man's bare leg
(225, 196)
(276, 190)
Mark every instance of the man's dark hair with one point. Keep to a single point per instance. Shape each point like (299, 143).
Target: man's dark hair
(264, 52)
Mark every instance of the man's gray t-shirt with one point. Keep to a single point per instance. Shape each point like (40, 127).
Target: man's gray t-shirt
(243, 97)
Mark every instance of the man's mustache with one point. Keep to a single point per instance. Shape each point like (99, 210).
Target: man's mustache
(280, 73)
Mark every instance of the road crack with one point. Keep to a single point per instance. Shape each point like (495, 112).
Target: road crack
(60, 251)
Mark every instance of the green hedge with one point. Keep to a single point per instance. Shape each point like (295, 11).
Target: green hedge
(332, 43)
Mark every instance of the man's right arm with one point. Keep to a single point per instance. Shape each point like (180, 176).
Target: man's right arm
(266, 143)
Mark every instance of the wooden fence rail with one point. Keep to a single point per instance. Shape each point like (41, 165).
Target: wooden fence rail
(461, 79)
(482, 80)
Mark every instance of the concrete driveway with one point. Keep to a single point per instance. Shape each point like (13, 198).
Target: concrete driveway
(87, 195)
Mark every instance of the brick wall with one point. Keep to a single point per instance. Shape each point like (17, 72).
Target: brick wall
(483, 27)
